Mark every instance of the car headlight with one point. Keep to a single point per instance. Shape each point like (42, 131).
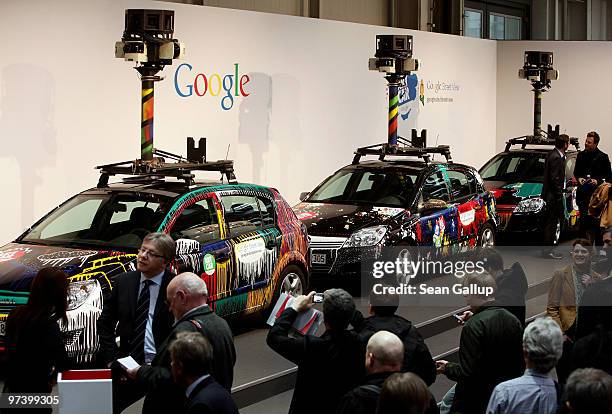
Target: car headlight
(530, 205)
(370, 236)
(78, 292)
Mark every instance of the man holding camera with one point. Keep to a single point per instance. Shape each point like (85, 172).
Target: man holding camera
(328, 366)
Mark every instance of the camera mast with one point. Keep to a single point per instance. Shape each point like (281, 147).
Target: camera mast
(538, 69)
(147, 40)
(394, 58)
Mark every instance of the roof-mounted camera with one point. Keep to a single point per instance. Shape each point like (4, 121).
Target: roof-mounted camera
(147, 38)
(393, 55)
(538, 69)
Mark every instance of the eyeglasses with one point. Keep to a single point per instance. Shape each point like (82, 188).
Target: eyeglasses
(148, 253)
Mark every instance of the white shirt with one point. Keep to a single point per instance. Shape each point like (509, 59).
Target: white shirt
(149, 343)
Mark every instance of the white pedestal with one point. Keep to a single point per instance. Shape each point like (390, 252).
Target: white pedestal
(85, 391)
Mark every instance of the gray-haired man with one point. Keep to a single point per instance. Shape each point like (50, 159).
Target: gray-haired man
(186, 297)
(535, 391)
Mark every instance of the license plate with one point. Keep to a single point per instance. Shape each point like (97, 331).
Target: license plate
(318, 258)
(2, 328)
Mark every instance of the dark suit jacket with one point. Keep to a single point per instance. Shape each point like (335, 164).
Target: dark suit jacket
(328, 366)
(208, 397)
(163, 395)
(595, 308)
(117, 317)
(554, 177)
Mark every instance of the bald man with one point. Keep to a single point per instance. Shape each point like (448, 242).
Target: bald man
(186, 297)
(384, 356)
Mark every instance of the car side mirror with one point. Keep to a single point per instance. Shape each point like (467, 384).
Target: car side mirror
(304, 195)
(432, 206)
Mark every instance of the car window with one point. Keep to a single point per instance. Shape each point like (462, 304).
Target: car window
(241, 214)
(434, 187)
(384, 187)
(197, 222)
(266, 207)
(78, 218)
(569, 167)
(114, 219)
(460, 185)
(511, 167)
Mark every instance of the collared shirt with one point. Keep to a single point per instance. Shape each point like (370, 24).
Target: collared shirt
(149, 345)
(194, 384)
(531, 393)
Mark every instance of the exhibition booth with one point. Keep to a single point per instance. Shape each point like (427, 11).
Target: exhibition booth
(287, 98)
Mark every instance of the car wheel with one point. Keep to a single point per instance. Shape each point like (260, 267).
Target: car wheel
(486, 236)
(291, 281)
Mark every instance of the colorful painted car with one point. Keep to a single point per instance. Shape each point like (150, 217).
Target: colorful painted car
(516, 177)
(244, 240)
(368, 205)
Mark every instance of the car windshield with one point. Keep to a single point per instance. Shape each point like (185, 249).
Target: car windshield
(512, 168)
(113, 220)
(388, 187)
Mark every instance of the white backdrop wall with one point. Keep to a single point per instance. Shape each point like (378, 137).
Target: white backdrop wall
(579, 101)
(66, 104)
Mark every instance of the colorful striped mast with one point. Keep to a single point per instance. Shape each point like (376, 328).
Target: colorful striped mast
(394, 58)
(147, 80)
(147, 40)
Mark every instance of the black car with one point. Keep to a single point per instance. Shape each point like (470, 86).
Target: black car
(516, 177)
(401, 200)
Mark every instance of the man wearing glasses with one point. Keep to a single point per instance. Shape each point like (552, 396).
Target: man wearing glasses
(137, 313)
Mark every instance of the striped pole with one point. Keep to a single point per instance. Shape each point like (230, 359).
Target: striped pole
(146, 125)
(393, 104)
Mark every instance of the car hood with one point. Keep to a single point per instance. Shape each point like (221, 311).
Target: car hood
(19, 263)
(512, 193)
(323, 219)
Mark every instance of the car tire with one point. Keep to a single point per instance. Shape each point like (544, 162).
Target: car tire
(292, 278)
(486, 236)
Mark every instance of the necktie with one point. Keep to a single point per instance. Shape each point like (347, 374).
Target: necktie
(140, 322)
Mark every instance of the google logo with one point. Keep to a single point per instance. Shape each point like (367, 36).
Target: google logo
(213, 84)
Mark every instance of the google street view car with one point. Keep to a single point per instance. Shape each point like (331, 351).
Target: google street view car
(516, 177)
(243, 239)
(402, 199)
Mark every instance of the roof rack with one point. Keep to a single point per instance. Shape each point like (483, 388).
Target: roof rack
(533, 140)
(414, 147)
(158, 168)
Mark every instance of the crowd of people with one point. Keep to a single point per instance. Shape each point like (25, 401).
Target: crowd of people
(379, 363)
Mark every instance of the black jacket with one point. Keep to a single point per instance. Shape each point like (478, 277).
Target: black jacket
(117, 318)
(490, 352)
(364, 398)
(554, 177)
(511, 290)
(594, 163)
(162, 393)
(208, 397)
(328, 366)
(595, 308)
(417, 357)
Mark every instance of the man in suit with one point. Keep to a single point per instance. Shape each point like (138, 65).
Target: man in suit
(552, 192)
(191, 355)
(136, 312)
(186, 297)
(592, 168)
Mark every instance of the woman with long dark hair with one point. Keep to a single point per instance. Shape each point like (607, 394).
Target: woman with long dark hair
(35, 348)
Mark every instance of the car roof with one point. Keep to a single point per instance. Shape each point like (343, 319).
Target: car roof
(167, 188)
(417, 166)
(534, 151)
